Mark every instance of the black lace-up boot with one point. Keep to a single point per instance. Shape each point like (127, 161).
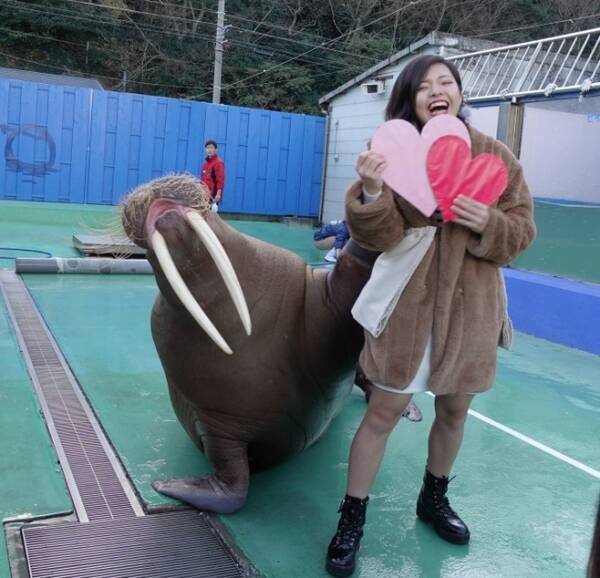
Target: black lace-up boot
(433, 507)
(341, 554)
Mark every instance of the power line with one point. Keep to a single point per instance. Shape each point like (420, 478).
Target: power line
(229, 15)
(103, 76)
(179, 18)
(518, 29)
(96, 21)
(212, 25)
(245, 19)
(265, 34)
(36, 8)
(108, 77)
(191, 20)
(279, 81)
(39, 9)
(132, 11)
(325, 47)
(448, 8)
(19, 33)
(414, 3)
(86, 75)
(69, 42)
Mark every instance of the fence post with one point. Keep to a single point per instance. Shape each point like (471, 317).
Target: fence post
(510, 126)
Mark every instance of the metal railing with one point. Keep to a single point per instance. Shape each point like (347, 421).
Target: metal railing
(567, 63)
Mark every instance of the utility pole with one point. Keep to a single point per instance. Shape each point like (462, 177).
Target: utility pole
(220, 35)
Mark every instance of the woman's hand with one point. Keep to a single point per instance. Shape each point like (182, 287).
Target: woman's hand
(370, 166)
(471, 214)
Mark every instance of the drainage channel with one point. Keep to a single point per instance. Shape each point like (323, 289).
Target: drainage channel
(113, 538)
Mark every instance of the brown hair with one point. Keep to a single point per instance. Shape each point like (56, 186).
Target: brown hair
(401, 104)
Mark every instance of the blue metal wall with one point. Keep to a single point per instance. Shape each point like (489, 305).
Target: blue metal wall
(80, 145)
(555, 309)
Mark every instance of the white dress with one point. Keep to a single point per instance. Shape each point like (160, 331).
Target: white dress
(420, 381)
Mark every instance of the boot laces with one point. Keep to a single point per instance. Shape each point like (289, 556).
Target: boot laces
(442, 505)
(440, 501)
(350, 525)
(347, 535)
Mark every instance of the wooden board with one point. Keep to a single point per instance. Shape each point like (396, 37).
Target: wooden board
(105, 245)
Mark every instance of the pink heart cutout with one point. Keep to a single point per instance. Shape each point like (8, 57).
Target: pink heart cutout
(405, 151)
(453, 172)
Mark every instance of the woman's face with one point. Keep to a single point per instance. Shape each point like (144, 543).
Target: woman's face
(437, 94)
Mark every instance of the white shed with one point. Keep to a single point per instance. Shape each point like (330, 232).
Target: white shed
(355, 109)
(541, 98)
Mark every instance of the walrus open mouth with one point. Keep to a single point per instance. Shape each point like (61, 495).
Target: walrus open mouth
(157, 209)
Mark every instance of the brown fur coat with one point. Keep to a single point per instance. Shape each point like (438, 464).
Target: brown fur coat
(455, 295)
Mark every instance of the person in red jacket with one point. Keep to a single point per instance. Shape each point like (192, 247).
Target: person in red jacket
(213, 172)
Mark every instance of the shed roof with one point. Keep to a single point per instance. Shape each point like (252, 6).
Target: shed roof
(459, 44)
(46, 78)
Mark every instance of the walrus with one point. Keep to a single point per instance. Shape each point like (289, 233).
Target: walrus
(258, 347)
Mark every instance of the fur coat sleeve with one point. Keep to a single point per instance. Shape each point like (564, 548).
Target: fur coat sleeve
(377, 226)
(510, 228)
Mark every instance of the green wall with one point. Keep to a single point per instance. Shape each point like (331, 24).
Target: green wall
(567, 244)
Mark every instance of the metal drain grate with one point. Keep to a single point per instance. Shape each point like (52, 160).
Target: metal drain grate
(118, 540)
(172, 545)
(96, 481)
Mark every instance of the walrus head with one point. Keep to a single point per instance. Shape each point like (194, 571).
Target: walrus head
(186, 199)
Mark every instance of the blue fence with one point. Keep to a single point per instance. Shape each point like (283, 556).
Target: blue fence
(77, 145)
(555, 309)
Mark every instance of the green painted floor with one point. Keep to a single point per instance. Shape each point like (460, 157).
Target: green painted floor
(530, 513)
(567, 244)
(50, 227)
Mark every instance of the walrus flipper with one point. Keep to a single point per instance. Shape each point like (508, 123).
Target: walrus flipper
(223, 492)
(207, 493)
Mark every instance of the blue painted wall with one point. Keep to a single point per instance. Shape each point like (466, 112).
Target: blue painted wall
(555, 309)
(67, 144)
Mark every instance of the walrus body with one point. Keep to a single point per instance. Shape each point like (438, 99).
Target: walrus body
(281, 386)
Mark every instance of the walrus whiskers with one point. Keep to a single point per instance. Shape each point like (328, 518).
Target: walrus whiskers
(185, 296)
(216, 251)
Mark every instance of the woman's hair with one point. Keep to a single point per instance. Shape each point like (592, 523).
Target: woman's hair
(402, 100)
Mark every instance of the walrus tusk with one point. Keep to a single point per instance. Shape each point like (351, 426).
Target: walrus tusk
(214, 247)
(185, 296)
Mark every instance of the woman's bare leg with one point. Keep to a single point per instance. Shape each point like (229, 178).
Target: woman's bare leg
(383, 412)
(446, 434)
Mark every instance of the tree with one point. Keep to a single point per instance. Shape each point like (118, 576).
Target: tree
(281, 54)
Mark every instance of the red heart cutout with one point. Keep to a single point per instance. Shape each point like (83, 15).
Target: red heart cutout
(452, 172)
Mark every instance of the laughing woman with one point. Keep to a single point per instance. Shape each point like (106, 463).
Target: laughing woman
(443, 333)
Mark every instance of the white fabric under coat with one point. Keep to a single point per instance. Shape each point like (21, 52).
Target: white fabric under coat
(390, 276)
